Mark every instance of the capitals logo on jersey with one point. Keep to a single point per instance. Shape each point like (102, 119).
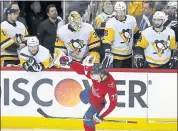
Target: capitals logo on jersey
(95, 92)
(112, 85)
(160, 46)
(126, 35)
(76, 45)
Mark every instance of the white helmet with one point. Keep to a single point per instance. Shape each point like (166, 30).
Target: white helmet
(120, 6)
(172, 4)
(33, 41)
(159, 15)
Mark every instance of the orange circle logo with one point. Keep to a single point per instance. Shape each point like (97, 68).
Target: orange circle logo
(67, 92)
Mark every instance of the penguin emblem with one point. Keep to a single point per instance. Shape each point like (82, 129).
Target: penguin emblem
(160, 46)
(126, 35)
(76, 45)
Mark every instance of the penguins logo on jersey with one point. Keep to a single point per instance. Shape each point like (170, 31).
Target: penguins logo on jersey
(76, 45)
(160, 46)
(126, 35)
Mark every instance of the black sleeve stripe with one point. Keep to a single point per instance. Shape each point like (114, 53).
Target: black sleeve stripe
(122, 55)
(22, 54)
(99, 41)
(97, 49)
(62, 47)
(5, 41)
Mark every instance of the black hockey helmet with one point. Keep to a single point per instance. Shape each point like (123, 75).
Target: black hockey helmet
(99, 69)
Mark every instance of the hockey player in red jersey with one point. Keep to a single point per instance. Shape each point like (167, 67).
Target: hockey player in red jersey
(103, 84)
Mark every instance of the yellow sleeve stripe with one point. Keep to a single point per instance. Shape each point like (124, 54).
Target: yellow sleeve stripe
(96, 55)
(22, 61)
(136, 29)
(94, 46)
(8, 42)
(109, 35)
(106, 42)
(173, 44)
(62, 48)
(47, 62)
(143, 43)
(26, 32)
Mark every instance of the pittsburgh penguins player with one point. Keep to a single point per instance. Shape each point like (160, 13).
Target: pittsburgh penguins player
(34, 57)
(78, 40)
(157, 46)
(118, 41)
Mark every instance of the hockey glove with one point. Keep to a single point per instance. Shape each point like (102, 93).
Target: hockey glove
(32, 66)
(26, 66)
(65, 61)
(173, 62)
(19, 38)
(32, 61)
(89, 61)
(139, 61)
(108, 59)
(96, 118)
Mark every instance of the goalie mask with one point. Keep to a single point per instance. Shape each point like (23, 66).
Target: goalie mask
(120, 9)
(98, 72)
(33, 45)
(159, 19)
(75, 20)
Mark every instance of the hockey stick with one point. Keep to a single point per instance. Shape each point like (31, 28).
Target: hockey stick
(41, 112)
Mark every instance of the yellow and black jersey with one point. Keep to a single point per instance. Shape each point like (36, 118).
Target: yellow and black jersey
(9, 32)
(8, 47)
(14, 29)
(43, 56)
(78, 45)
(157, 45)
(120, 34)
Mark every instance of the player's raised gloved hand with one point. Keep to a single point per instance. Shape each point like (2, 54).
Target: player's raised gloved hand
(173, 62)
(139, 61)
(96, 118)
(88, 61)
(65, 61)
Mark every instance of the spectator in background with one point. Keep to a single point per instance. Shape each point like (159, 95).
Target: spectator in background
(47, 31)
(171, 18)
(145, 20)
(19, 18)
(35, 17)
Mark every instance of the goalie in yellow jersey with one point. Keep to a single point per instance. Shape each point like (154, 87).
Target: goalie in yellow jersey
(157, 46)
(77, 40)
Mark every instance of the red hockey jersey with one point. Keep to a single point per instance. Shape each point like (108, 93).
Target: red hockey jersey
(99, 90)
